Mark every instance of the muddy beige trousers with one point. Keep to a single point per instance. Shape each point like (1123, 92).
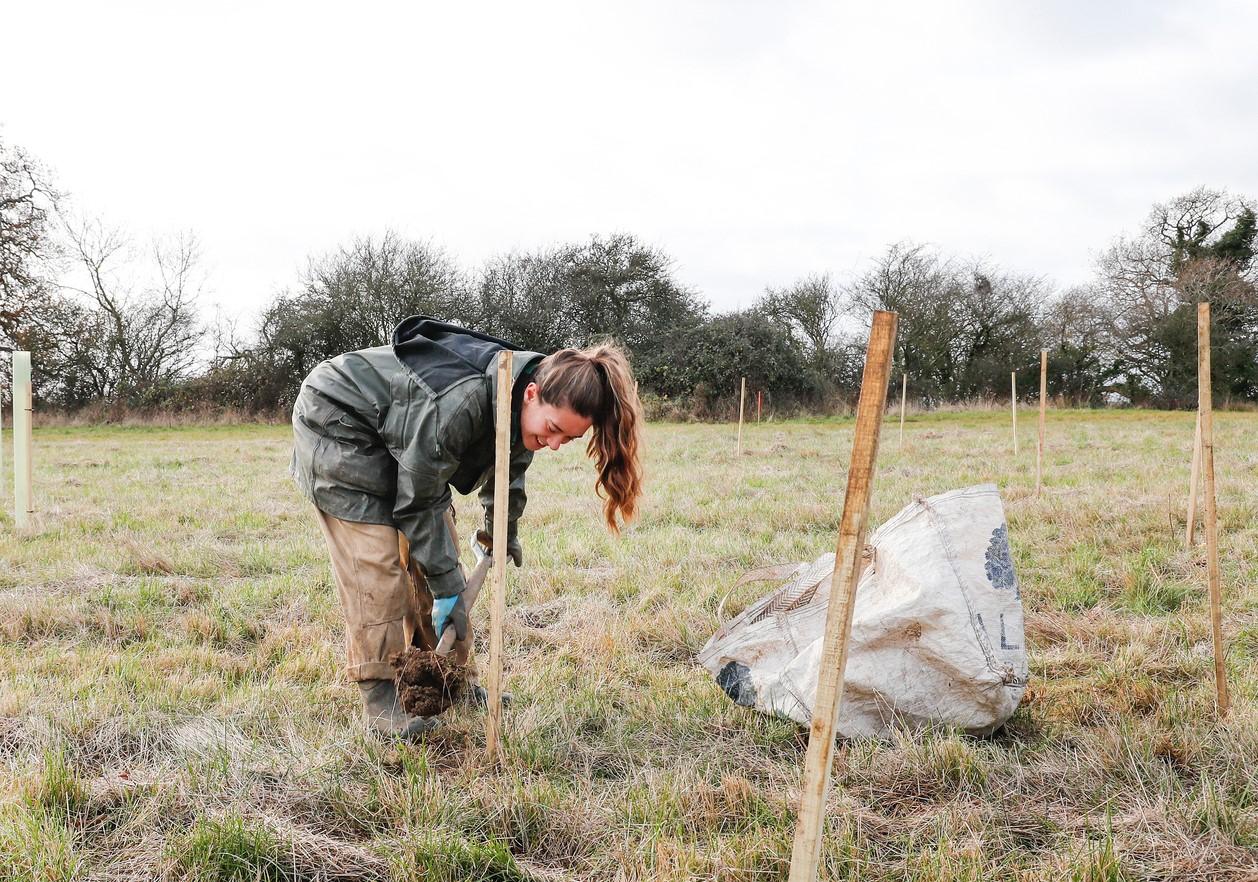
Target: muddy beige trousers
(384, 596)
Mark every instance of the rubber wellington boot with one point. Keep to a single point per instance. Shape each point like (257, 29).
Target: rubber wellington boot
(478, 696)
(384, 714)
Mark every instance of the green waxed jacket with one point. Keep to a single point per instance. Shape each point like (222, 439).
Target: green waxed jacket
(381, 435)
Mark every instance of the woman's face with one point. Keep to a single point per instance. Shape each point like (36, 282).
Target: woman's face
(544, 425)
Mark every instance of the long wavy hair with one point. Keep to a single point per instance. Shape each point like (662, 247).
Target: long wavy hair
(598, 384)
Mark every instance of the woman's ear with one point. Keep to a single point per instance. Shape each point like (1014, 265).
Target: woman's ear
(530, 392)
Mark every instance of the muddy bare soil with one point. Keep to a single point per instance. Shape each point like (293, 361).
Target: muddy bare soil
(427, 683)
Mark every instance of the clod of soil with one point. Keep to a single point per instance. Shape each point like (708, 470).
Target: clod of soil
(427, 683)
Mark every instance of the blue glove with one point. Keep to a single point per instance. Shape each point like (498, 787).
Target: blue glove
(448, 611)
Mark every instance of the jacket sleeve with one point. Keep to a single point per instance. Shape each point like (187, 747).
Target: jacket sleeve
(419, 512)
(517, 498)
(423, 496)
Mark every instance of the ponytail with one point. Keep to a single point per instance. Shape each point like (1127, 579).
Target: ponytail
(598, 384)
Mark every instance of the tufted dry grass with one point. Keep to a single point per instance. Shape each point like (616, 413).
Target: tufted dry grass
(171, 705)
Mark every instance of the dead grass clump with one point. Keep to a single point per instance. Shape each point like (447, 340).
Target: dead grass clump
(540, 615)
(144, 560)
(203, 628)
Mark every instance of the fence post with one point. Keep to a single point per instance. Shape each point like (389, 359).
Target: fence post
(1205, 407)
(904, 392)
(742, 396)
(1039, 447)
(806, 851)
(498, 600)
(23, 461)
(1013, 407)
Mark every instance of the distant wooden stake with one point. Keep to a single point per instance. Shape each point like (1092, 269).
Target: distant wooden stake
(23, 463)
(904, 392)
(759, 401)
(1013, 407)
(806, 852)
(742, 396)
(498, 600)
(1039, 448)
(1205, 408)
(1194, 485)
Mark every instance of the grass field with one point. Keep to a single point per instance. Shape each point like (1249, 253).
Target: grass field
(172, 704)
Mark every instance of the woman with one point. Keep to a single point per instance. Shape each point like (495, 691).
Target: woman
(380, 437)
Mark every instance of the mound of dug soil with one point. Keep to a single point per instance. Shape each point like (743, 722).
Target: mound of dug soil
(427, 683)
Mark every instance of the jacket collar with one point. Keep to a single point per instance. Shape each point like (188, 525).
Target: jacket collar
(522, 362)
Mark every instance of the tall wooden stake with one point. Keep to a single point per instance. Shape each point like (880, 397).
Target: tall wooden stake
(759, 401)
(1194, 484)
(498, 600)
(1039, 448)
(904, 392)
(23, 463)
(742, 397)
(1013, 407)
(1205, 407)
(806, 853)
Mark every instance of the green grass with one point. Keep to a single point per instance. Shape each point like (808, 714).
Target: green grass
(173, 704)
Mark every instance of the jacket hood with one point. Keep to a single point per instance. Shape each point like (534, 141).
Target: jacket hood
(440, 354)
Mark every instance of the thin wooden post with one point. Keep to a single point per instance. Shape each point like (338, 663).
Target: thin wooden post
(1013, 407)
(1039, 447)
(1205, 406)
(806, 852)
(904, 392)
(759, 401)
(742, 396)
(1194, 483)
(23, 462)
(498, 599)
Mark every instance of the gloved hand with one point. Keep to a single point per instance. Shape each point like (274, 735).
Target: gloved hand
(452, 612)
(515, 551)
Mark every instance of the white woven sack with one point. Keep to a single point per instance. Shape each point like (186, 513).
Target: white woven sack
(937, 631)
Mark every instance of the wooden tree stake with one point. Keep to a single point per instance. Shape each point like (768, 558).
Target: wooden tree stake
(498, 599)
(806, 853)
(904, 392)
(23, 462)
(1194, 484)
(742, 396)
(1013, 407)
(1039, 448)
(759, 401)
(1205, 408)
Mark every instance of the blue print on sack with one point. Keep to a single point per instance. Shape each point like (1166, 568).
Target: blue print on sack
(1000, 561)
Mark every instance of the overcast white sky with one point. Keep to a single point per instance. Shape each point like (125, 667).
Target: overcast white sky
(754, 142)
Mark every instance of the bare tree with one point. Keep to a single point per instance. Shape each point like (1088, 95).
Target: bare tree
(811, 309)
(522, 297)
(28, 251)
(1077, 329)
(997, 326)
(963, 326)
(371, 285)
(1197, 247)
(28, 203)
(149, 330)
(915, 282)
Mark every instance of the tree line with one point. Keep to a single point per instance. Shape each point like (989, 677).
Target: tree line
(130, 334)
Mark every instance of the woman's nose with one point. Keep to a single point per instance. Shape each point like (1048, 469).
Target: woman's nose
(553, 442)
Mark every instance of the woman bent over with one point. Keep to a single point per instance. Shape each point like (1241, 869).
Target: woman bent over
(381, 435)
